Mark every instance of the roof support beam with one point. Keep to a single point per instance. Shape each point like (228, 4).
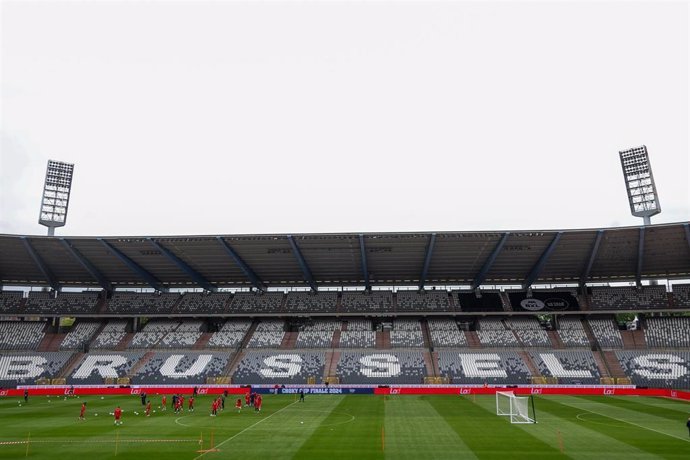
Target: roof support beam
(184, 266)
(135, 267)
(536, 270)
(365, 268)
(481, 276)
(93, 271)
(592, 257)
(640, 258)
(687, 233)
(427, 260)
(47, 273)
(302, 263)
(246, 269)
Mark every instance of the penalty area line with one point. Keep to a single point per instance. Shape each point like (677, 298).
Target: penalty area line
(248, 428)
(633, 423)
(91, 441)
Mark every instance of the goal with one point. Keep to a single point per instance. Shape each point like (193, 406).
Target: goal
(516, 407)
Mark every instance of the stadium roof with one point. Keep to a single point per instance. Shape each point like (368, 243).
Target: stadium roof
(323, 260)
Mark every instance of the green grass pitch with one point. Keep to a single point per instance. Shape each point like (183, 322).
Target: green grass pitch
(349, 427)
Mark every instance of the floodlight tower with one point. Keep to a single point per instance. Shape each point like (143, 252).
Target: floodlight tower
(639, 182)
(55, 198)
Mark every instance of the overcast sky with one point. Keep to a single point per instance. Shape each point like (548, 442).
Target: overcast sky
(229, 117)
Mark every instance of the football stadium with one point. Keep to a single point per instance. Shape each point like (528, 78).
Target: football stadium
(344, 230)
(534, 344)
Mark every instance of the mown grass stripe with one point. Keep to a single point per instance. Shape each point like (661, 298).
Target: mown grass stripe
(351, 431)
(488, 435)
(415, 429)
(646, 406)
(581, 441)
(262, 420)
(600, 417)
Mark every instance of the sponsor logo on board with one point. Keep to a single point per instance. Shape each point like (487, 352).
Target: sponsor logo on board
(532, 304)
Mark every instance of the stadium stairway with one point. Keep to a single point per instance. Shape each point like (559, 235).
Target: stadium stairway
(473, 339)
(383, 340)
(583, 300)
(429, 363)
(71, 365)
(601, 364)
(425, 333)
(144, 359)
(613, 364)
(331, 366)
(555, 339)
(101, 306)
(51, 342)
(336, 339)
(97, 333)
(638, 338)
(231, 368)
(434, 362)
(530, 364)
(505, 301)
(248, 335)
(633, 340)
(203, 341)
(451, 302)
(338, 304)
(125, 341)
(590, 335)
(289, 341)
(628, 340)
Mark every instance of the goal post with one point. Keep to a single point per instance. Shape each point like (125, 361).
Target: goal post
(515, 407)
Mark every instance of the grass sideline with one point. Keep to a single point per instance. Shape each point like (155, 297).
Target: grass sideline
(348, 427)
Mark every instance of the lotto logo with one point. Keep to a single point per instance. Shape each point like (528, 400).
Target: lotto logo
(395, 391)
(536, 391)
(465, 391)
(609, 391)
(135, 391)
(202, 391)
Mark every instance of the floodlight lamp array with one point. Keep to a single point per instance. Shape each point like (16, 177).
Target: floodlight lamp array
(56, 193)
(639, 182)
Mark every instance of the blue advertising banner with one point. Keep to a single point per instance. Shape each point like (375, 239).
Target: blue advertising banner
(317, 391)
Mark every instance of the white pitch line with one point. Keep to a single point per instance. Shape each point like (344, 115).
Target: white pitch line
(177, 421)
(248, 428)
(634, 424)
(92, 441)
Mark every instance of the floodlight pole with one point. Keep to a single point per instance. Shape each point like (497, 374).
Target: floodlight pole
(639, 183)
(56, 193)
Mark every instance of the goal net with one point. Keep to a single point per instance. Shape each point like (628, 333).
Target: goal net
(516, 407)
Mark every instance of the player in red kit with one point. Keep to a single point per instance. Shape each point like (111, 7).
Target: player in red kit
(214, 407)
(238, 405)
(118, 415)
(191, 404)
(257, 403)
(148, 408)
(181, 403)
(246, 399)
(82, 411)
(164, 402)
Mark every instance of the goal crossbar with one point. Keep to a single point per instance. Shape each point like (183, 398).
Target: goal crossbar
(515, 407)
